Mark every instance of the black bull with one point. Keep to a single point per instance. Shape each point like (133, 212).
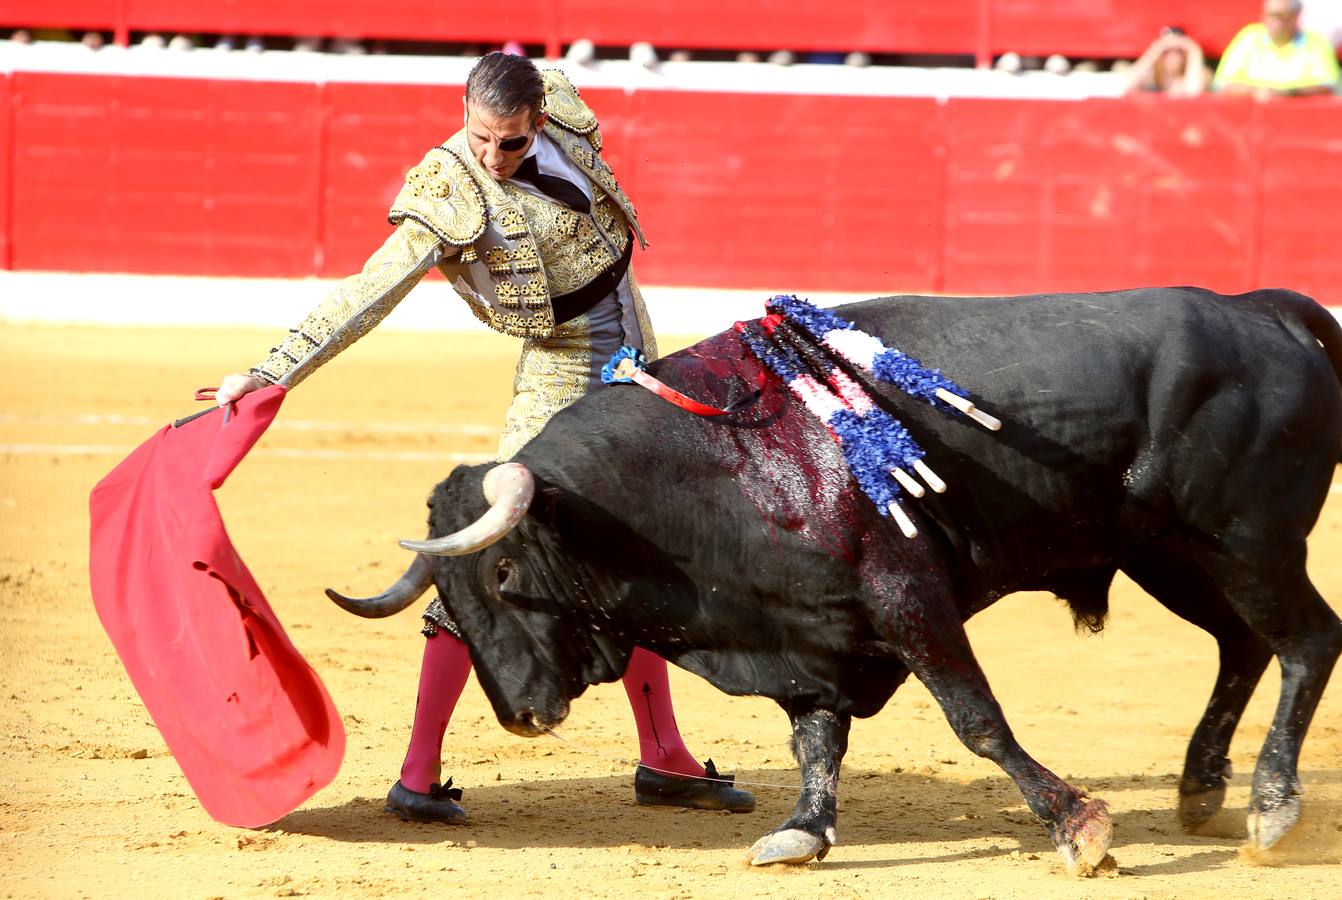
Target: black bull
(1183, 437)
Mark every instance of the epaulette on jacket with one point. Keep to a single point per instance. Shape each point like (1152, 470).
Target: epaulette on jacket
(441, 195)
(567, 110)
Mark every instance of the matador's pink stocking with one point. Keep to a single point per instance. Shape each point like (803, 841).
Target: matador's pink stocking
(660, 745)
(442, 675)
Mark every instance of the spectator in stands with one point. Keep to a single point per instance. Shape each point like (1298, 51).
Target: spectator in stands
(348, 46)
(61, 35)
(643, 55)
(581, 52)
(529, 225)
(1173, 65)
(1275, 58)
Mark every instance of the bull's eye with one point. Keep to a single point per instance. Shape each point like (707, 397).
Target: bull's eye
(502, 570)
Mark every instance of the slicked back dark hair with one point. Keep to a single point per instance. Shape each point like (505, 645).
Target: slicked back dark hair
(505, 85)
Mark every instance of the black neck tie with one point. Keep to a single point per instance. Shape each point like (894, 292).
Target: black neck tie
(561, 189)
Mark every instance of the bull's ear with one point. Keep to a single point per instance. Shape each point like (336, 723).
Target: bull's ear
(545, 505)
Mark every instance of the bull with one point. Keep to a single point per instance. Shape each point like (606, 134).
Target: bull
(1185, 438)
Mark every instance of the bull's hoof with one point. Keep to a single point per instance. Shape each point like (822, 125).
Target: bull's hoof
(1085, 838)
(791, 845)
(1197, 808)
(1202, 792)
(1266, 827)
(712, 792)
(438, 805)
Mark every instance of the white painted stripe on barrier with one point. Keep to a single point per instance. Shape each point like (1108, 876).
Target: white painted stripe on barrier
(451, 71)
(276, 452)
(90, 298)
(94, 298)
(101, 419)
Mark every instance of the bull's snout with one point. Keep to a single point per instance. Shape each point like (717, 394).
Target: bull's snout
(530, 722)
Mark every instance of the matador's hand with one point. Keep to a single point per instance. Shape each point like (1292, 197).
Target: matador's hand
(231, 387)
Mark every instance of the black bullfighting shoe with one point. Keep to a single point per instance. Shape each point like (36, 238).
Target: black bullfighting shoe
(713, 791)
(438, 805)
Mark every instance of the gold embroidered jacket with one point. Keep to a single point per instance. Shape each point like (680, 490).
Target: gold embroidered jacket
(505, 251)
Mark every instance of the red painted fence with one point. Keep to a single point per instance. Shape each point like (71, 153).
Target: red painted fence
(1096, 28)
(773, 192)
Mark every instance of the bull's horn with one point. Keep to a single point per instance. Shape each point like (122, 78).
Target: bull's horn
(405, 591)
(508, 488)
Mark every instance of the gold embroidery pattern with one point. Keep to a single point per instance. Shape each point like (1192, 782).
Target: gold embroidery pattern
(440, 193)
(563, 104)
(468, 255)
(610, 219)
(510, 295)
(572, 249)
(551, 374)
(525, 326)
(555, 371)
(356, 305)
(523, 258)
(598, 172)
(511, 221)
(534, 294)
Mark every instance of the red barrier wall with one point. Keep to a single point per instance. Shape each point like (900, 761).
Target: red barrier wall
(1100, 28)
(774, 192)
(6, 175)
(165, 175)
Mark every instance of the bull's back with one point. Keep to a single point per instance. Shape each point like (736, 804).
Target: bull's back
(1124, 411)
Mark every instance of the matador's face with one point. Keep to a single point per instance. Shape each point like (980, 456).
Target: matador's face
(499, 143)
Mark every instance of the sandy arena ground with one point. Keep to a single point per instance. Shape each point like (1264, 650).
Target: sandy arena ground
(92, 805)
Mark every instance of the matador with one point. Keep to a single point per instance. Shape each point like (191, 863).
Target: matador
(530, 227)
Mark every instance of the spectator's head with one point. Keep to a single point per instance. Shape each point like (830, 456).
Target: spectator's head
(1173, 59)
(504, 96)
(1282, 19)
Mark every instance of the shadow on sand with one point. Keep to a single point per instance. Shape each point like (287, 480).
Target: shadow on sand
(877, 808)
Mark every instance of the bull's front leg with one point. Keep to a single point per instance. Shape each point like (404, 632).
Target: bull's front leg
(931, 641)
(819, 740)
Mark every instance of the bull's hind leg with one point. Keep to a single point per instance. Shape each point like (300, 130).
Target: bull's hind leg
(1168, 573)
(931, 641)
(1266, 583)
(819, 741)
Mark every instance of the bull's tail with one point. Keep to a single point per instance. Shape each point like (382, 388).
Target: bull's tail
(1320, 324)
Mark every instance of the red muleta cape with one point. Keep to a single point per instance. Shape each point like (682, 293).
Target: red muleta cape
(246, 717)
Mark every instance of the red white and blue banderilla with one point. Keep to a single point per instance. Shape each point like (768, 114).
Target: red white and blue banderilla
(877, 447)
(874, 444)
(868, 353)
(879, 450)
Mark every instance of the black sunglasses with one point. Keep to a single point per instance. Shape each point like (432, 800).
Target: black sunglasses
(513, 144)
(509, 144)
